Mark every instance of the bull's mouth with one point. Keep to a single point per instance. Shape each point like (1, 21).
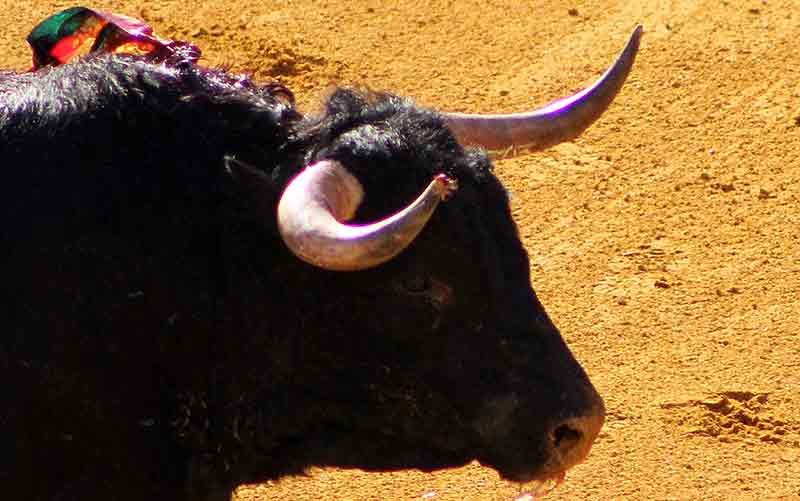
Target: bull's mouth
(533, 482)
(541, 488)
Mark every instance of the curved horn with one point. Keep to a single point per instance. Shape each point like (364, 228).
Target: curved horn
(560, 121)
(315, 202)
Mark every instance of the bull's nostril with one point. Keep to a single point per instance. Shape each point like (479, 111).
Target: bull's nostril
(565, 437)
(572, 438)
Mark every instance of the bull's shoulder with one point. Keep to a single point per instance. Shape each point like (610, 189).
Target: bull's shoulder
(62, 93)
(102, 91)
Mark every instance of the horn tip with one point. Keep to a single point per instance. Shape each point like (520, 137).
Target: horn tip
(446, 186)
(636, 36)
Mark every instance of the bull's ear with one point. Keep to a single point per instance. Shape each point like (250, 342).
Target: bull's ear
(252, 187)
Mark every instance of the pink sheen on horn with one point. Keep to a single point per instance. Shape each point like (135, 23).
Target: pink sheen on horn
(555, 123)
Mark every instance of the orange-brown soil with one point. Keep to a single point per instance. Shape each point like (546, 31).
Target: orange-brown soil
(665, 242)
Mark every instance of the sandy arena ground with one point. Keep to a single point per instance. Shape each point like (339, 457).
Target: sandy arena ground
(665, 242)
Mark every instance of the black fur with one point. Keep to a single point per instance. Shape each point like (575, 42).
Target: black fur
(158, 340)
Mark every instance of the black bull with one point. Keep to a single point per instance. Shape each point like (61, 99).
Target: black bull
(160, 340)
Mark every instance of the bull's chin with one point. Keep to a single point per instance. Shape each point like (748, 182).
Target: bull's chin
(351, 450)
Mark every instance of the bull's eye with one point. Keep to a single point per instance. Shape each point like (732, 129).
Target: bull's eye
(417, 284)
(430, 291)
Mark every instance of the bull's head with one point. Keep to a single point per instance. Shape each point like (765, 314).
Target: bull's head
(503, 349)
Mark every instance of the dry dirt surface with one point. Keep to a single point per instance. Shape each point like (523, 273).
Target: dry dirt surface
(665, 241)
